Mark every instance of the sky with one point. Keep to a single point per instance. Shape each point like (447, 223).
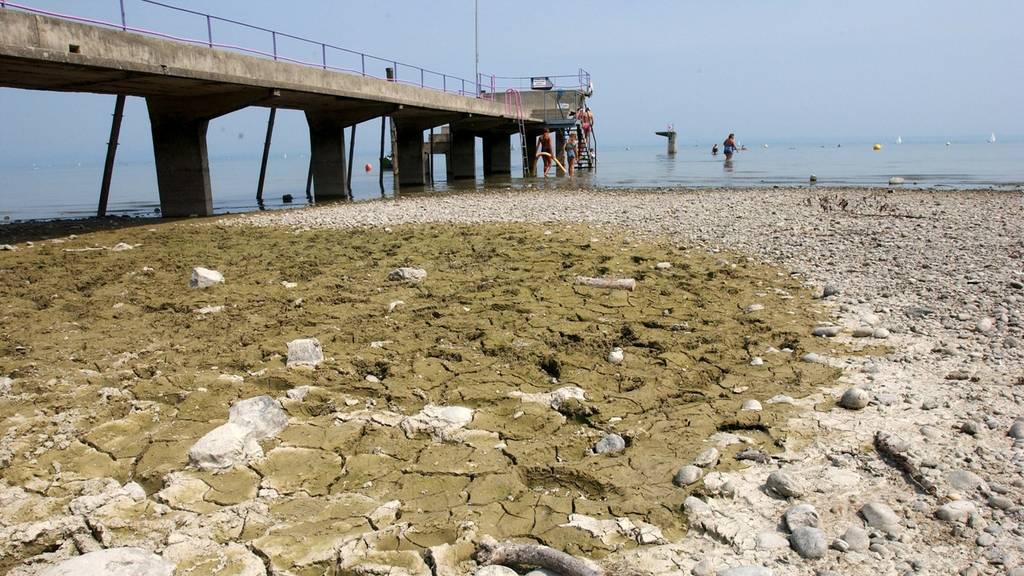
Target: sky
(770, 71)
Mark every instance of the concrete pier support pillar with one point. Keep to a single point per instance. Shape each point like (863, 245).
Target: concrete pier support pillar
(182, 165)
(410, 156)
(461, 154)
(497, 154)
(327, 154)
(531, 153)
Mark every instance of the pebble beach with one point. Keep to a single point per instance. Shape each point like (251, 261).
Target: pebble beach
(868, 416)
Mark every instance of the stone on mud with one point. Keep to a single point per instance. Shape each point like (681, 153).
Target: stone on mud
(204, 278)
(305, 352)
(799, 516)
(261, 415)
(113, 562)
(956, 511)
(610, 444)
(708, 457)
(880, 516)
(441, 422)
(785, 484)
(687, 475)
(809, 542)
(224, 447)
(1017, 430)
(5, 385)
(854, 399)
(407, 274)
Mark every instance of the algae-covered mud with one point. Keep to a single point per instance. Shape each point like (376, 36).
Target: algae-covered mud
(117, 368)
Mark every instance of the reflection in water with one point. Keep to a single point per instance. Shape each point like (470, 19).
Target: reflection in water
(727, 165)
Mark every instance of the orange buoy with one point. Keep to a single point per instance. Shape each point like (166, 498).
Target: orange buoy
(368, 167)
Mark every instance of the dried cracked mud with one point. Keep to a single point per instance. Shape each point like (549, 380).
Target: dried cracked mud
(117, 368)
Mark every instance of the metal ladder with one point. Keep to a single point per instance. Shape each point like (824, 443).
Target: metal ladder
(514, 107)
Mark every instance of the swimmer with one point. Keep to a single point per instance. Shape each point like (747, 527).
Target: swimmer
(729, 146)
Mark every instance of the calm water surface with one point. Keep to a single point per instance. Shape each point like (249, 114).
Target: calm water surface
(70, 191)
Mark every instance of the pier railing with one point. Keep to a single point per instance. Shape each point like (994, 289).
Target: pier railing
(580, 81)
(279, 46)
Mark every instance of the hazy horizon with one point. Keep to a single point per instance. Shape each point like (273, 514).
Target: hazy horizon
(805, 71)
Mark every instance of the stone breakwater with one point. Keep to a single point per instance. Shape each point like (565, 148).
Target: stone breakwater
(916, 470)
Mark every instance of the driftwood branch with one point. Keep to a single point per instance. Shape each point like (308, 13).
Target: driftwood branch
(508, 554)
(894, 449)
(609, 283)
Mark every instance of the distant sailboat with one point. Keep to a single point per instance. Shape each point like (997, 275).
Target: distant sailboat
(899, 139)
(992, 138)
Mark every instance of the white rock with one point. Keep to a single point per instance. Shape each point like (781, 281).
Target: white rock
(880, 333)
(441, 422)
(204, 278)
(800, 515)
(785, 484)
(780, 399)
(956, 511)
(7, 248)
(407, 274)
(708, 457)
(299, 393)
(826, 331)
(746, 571)
(372, 379)
(304, 352)
(288, 285)
(1016, 430)
(5, 385)
(986, 325)
(262, 416)
(854, 399)
(896, 181)
(757, 361)
(224, 447)
(616, 355)
(751, 406)
(395, 304)
(121, 247)
(687, 475)
(880, 516)
(718, 484)
(663, 265)
(113, 562)
(555, 398)
(610, 444)
(209, 310)
(137, 492)
(814, 358)
(753, 308)
(770, 540)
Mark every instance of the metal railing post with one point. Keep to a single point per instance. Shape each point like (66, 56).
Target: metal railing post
(463, 92)
(362, 59)
(444, 83)
(273, 37)
(209, 31)
(323, 54)
(395, 64)
(422, 83)
(124, 21)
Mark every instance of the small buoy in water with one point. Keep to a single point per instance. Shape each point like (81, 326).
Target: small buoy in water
(287, 198)
(814, 178)
(765, 145)
(949, 143)
(877, 147)
(368, 167)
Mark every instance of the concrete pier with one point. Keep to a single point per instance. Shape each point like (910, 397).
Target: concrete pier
(327, 154)
(461, 156)
(186, 85)
(671, 135)
(497, 153)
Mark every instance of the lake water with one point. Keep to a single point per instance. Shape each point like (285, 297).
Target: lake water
(72, 191)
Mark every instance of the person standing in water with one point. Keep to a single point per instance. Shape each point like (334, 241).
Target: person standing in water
(729, 146)
(714, 150)
(546, 150)
(570, 153)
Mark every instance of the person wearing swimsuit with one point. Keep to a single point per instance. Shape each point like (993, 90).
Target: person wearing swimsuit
(546, 150)
(729, 146)
(570, 154)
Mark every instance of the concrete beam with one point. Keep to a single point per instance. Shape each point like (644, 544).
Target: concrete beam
(461, 157)
(327, 154)
(497, 154)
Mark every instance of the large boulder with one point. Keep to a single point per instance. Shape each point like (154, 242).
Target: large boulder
(204, 278)
(305, 352)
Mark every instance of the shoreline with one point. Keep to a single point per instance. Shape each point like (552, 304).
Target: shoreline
(941, 273)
